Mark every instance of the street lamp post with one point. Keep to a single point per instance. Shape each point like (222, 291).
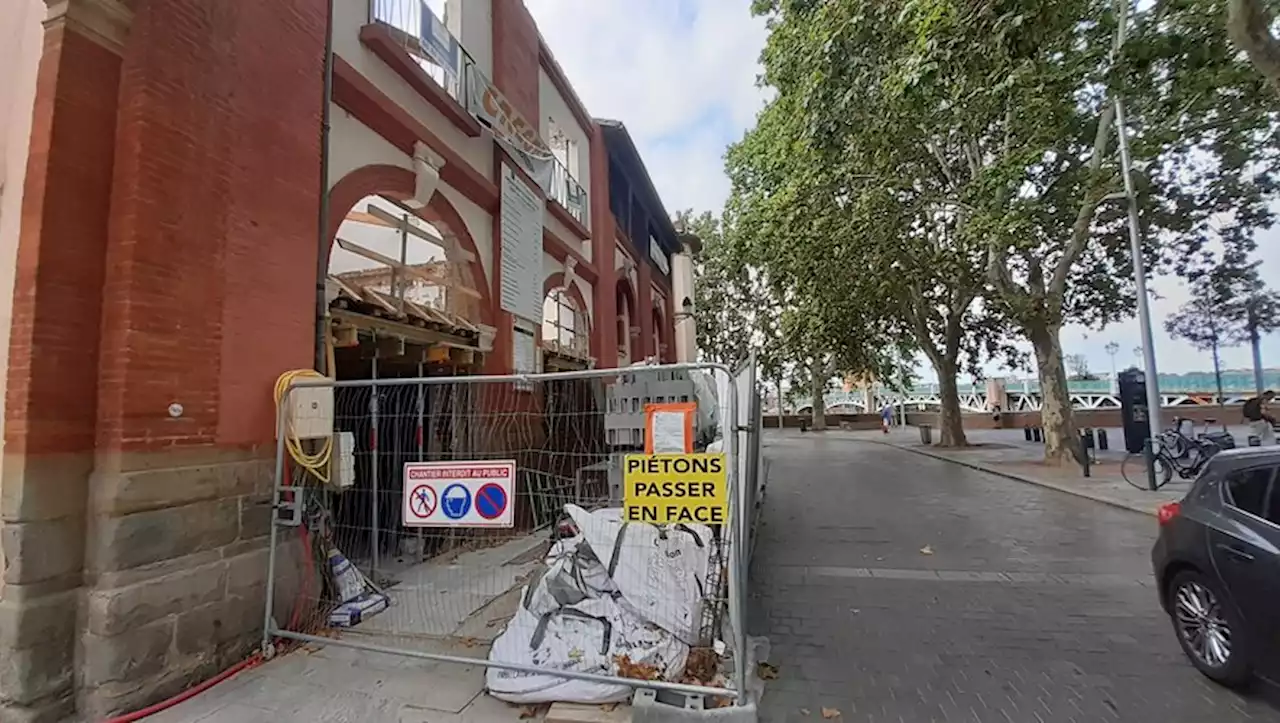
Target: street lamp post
(1139, 271)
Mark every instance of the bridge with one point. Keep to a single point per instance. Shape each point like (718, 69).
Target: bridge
(1176, 390)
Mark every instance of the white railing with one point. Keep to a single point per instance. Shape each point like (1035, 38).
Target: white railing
(424, 36)
(566, 191)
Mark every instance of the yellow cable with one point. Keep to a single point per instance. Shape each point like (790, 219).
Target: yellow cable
(318, 463)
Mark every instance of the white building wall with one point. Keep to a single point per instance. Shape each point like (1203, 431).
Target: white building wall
(555, 110)
(351, 15)
(20, 49)
(471, 22)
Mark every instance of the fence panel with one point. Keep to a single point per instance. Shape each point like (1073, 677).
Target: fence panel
(478, 520)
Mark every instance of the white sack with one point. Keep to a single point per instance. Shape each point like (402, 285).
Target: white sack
(588, 638)
(660, 571)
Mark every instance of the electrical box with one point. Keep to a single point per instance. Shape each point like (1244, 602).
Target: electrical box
(311, 412)
(342, 461)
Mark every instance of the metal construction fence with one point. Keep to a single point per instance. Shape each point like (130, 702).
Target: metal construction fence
(479, 520)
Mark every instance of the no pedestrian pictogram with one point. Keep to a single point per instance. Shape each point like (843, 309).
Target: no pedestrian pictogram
(422, 501)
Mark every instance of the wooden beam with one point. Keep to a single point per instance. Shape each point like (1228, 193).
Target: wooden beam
(410, 333)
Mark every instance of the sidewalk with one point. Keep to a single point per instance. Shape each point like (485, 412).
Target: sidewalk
(1004, 452)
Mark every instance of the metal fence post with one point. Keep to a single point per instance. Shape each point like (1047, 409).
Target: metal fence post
(375, 544)
(276, 488)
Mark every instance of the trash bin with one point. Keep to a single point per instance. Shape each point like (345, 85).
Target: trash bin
(926, 434)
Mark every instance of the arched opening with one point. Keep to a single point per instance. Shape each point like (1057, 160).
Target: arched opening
(660, 344)
(566, 335)
(628, 320)
(406, 298)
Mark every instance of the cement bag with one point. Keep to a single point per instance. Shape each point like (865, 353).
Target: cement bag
(573, 574)
(660, 570)
(588, 637)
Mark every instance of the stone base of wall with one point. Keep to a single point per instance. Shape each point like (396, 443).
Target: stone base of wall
(171, 590)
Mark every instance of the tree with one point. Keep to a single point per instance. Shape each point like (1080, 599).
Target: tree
(1200, 323)
(1230, 305)
(723, 293)
(833, 185)
(1249, 22)
(1024, 94)
(1078, 364)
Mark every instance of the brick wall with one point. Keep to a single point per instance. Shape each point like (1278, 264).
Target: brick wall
(213, 220)
(515, 57)
(212, 251)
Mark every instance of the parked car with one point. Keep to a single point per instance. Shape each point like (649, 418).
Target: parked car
(1217, 564)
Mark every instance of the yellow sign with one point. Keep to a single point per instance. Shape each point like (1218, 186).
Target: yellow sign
(668, 489)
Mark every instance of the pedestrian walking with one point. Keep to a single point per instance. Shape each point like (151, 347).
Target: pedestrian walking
(886, 418)
(1261, 423)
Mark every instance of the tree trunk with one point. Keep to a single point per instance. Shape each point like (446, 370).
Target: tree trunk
(950, 421)
(1061, 441)
(1249, 25)
(818, 387)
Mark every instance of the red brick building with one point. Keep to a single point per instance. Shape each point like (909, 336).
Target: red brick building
(166, 274)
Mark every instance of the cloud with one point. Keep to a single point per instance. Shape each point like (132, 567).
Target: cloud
(679, 73)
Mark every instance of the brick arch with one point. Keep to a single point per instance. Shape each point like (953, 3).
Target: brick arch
(400, 184)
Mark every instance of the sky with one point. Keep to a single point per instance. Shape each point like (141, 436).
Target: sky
(681, 74)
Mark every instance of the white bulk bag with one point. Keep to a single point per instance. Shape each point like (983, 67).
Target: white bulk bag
(587, 638)
(660, 570)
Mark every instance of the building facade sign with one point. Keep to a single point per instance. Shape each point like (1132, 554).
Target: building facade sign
(517, 137)
(659, 256)
(520, 270)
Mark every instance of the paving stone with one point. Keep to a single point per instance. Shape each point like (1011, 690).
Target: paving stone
(1033, 607)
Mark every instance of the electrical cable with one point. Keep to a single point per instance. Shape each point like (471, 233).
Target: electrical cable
(316, 463)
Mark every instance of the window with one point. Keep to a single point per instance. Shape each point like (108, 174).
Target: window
(563, 322)
(1247, 490)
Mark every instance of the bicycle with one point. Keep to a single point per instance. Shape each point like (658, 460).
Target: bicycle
(1176, 451)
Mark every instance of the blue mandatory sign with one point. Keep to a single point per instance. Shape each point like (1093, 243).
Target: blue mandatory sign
(456, 501)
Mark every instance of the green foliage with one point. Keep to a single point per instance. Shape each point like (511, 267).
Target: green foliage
(1228, 300)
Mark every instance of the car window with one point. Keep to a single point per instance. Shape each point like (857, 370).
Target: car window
(1273, 504)
(1247, 489)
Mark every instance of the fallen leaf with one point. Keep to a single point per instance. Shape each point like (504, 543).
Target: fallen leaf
(830, 713)
(635, 671)
(609, 707)
(766, 671)
(926, 550)
(532, 711)
(469, 642)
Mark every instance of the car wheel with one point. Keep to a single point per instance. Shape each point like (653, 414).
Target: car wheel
(1210, 632)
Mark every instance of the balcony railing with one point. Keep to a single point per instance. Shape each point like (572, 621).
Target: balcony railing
(442, 57)
(428, 42)
(568, 192)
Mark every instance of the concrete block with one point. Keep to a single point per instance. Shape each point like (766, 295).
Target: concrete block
(255, 518)
(114, 611)
(30, 675)
(247, 568)
(42, 550)
(44, 487)
(202, 631)
(577, 713)
(647, 708)
(138, 653)
(140, 482)
(55, 710)
(143, 538)
(50, 620)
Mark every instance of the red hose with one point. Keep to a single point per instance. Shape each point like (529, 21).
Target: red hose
(251, 662)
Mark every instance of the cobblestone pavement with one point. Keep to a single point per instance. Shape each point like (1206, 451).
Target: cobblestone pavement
(896, 587)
